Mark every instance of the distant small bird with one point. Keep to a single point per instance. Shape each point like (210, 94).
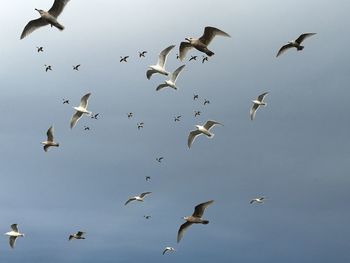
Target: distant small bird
(258, 200)
(195, 96)
(148, 178)
(172, 80)
(95, 116)
(171, 249)
(40, 49)
(13, 234)
(65, 101)
(130, 114)
(124, 59)
(142, 54)
(47, 68)
(140, 125)
(196, 218)
(205, 58)
(295, 43)
(80, 110)
(206, 102)
(50, 140)
(46, 18)
(78, 235)
(147, 216)
(159, 159)
(76, 67)
(193, 58)
(86, 128)
(205, 129)
(177, 56)
(139, 198)
(197, 113)
(160, 66)
(177, 118)
(202, 43)
(256, 104)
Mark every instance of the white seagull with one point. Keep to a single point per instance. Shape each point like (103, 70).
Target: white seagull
(295, 43)
(166, 249)
(201, 43)
(80, 110)
(205, 129)
(50, 140)
(139, 198)
(256, 104)
(258, 200)
(160, 67)
(46, 18)
(172, 80)
(13, 234)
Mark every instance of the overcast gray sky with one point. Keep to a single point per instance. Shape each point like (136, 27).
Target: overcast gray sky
(296, 152)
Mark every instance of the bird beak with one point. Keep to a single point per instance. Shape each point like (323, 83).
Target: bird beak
(36, 9)
(187, 39)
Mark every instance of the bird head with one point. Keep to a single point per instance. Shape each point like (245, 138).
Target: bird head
(40, 11)
(189, 39)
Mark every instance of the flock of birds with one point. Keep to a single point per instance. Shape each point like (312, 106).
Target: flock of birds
(201, 44)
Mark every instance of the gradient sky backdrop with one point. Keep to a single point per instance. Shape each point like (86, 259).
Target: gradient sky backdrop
(296, 152)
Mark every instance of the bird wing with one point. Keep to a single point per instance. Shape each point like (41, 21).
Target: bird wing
(163, 55)
(210, 33)
(252, 201)
(77, 115)
(165, 250)
(199, 209)
(33, 25)
(184, 48)
(176, 73)
(150, 72)
(58, 7)
(284, 48)
(209, 124)
(14, 227)
(182, 230)
(129, 200)
(80, 233)
(46, 147)
(12, 241)
(70, 237)
(253, 110)
(191, 137)
(84, 101)
(144, 194)
(302, 37)
(50, 134)
(161, 86)
(261, 96)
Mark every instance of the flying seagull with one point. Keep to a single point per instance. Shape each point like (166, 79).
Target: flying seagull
(148, 178)
(80, 110)
(147, 216)
(130, 115)
(139, 198)
(46, 18)
(256, 104)
(50, 140)
(258, 200)
(140, 125)
(160, 67)
(206, 102)
(171, 249)
(78, 235)
(95, 116)
(197, 113)
(205, 129)
(86, 128)
(172, 80)
(65, 101)
(195, 96)
(202, 43)
(47, 68)
(142, 54)
(177, 118)
(295, 43)
(196, 218)
(40, 49)
(193, 58)
(76, 67)
(205, 58)
(13, 234)
(124, 59)
(159, 159)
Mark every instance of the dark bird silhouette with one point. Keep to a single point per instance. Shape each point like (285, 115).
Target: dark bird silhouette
(76, 67)
(147, 216)
(195, 96)
(193, 58)
(48, 67)
(206, 102)
(142, 54)
(86, 128)
(124, 59)
(140, 125)
(295, 43)
(205, 58)
(65, 101)
(40, 49)
(95, 116)
(177, 118)
(197, 113)
(78, 235)
(130, 114)
(148, 178)
(159, 159)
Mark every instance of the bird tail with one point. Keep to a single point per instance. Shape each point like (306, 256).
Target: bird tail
(205, 222)
(209, 53)
(58, 25)
(300, 48)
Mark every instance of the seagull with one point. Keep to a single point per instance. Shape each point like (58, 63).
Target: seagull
(159, 159)
(80, 110)
(202, 43)
(140, 125)
(142, 54)
(201, 130)
(206, 102)
(171, 249)
(256, 104)
(148, 178)
(147, 216)
(86, 128)
(46, 18)
(258, 200)
(50, 140)
(124, 59)
(172, 80)
(197, 113)
(160, 67)
(13, 234)
(295, 43)
(95, 116)
(205, 58)
(65, 101)
(193, 58)
(78, 235)
(177, 56)
(47, 68)
(40, 49)
(177, 118)
(196, 218)
(76, 67)
(137, 198)
(195, 96)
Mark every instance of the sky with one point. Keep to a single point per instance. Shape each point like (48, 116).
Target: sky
(295, 153)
